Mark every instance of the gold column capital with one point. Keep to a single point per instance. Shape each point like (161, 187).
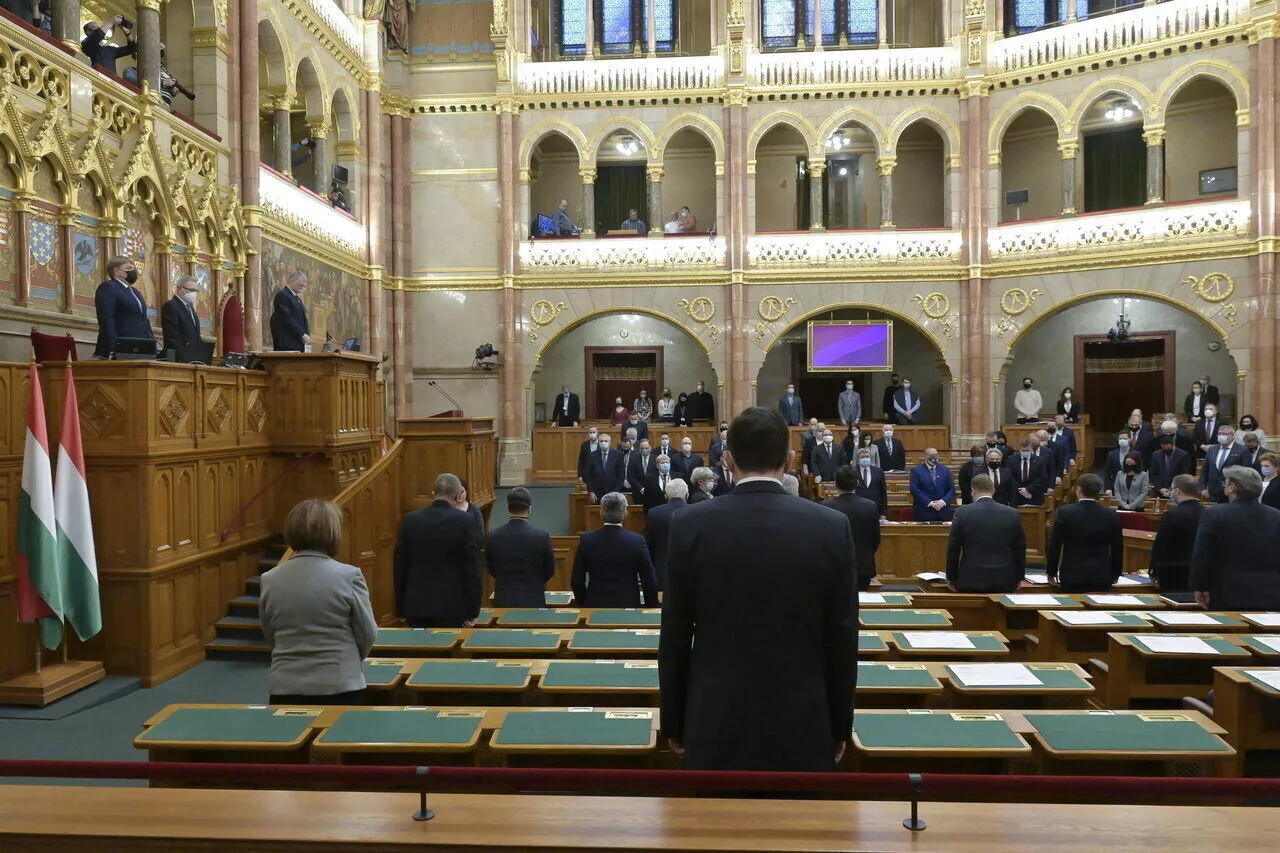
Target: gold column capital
(1068, 149)
(1153, 135)
(588, 176)
(886, 165)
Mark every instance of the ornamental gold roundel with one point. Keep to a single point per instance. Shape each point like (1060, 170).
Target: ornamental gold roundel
(935, 306)
(1015, 301)
(773, 309)
(700, 310)
(1215, 287)
(543, 312)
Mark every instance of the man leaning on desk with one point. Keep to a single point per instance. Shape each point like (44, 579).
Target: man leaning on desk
(121, 307)
(290, 331)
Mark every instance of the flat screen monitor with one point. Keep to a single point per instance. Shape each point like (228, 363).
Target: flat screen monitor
(844, 346)
(340, 174)
(351, 345)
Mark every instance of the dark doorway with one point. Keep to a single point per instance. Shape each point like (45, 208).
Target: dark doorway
(618, 190)
(1115, 377)
(614, 372)
(1115, 170)
(820, 392)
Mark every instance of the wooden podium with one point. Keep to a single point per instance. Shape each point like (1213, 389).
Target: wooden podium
(434, 446)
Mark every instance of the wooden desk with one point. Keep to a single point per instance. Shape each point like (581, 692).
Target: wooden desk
(906, 549)
(584, 515)
(1137, 550)
(1249, 710)
(1134, 672)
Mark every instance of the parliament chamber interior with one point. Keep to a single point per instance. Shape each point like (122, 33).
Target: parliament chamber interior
(325, 326)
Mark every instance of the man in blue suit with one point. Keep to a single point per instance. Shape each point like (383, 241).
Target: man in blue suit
(932, 488)
(657, 526)
(612, 565)
(122, 309)
(604, 472)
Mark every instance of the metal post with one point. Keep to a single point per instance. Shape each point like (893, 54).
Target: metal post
(423, 813)
(913, 823)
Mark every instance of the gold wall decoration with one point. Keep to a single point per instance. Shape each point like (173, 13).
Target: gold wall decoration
(1015, 300)
(1003, 326)
(702, 310)
(544, 313)
(773, 309)
(1214, 287)
(975, 8)
(935, 306)
(1230, 313)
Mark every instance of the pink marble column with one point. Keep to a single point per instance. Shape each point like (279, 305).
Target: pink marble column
(400, 378)
(405, 227)
(250, 156)
(513, 397)
(1263, 368)
(233, 85)
(976, 391)
(738, 382)
(67, 228)
(373, 212)
(19, 223)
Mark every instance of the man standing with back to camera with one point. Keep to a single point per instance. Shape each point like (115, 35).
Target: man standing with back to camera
(758, 657)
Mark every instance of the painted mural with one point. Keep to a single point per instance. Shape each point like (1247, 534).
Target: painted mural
(7, 265)
(334, 299)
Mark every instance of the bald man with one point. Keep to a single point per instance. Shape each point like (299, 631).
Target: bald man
(932, 488)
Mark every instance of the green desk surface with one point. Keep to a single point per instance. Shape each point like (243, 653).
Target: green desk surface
(1102, 732)
(381, 674)
(1063, 601)
(419, 728)
(1259, 683)
(416, 638)
(232, 725)
(938, 731)
(869, 641)
(575, 728)
(605, 640)
(558, 599)
(1254, 642)
(891, 599)
(472, 673)
(981, 643)
(1051, 678)
(886, 617)
(1123, 620)
(897, 676)
(485, 616)
(520, 616)
(1224, 648)
(638, 675)
(629, 618)
(512, 638)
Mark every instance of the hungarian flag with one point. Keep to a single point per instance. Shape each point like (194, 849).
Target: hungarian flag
(39, 578)
(79, 564)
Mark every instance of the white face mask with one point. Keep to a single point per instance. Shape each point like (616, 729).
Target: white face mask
(1066, 396)
(1267, 470)
(191, 297)
(906, 384)
(686, 447)
(848, 387)
(888, 433)
(591, 437)
(1210, 414)
(1224, 440)
(604, 445)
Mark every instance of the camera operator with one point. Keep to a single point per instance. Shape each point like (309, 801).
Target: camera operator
(102, 53)
(169, 85)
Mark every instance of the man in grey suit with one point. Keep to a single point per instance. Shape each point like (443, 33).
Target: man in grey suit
(850, 405)
(987, 548)
(1235, 564)
(1216, 461)
(520, 556)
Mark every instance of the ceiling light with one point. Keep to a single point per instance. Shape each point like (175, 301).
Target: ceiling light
(1121, 110)
(627, 146)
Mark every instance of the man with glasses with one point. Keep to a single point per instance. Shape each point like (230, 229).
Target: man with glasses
(178, 316)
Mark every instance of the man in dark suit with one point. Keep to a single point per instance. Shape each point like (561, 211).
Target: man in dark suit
(1216, 461)
(520, 556)
(702, 485)
(627, 453)
(121, 307)
(864, 522)
(1063, 440)
(702, 406)
(290, 331)
(1235, 564)
(906, 403)
(1142, 437)
(1211, 395)
(869, 483)
(758, 657)
(996, 441)
(1176, 536)
(886, 402)
(933, 489)
(588, 447)
(892, 452)
(987, 548)
(604, 471)
(1029, 477)
(657, 527)
(1182, 436)
(717, 446)
(683, 463)
(1252, 450)
(808, 441)
(567, 410)
(1167, 463)
(1206, 432)
(178, 316)
(644, 466)
(1086, 544)
(612, 565)
(634, 422)
(1115, 459)
(825, 459)
(1041, 449)
(790, 406)
(1001, 477)
(724, 478)
(437, 562)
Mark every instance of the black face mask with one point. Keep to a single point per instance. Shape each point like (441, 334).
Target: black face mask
(131, 276)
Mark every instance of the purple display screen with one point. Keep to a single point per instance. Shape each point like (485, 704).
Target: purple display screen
(864, 347)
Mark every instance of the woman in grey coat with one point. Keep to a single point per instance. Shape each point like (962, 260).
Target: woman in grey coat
(1132, 484)
(316, 614)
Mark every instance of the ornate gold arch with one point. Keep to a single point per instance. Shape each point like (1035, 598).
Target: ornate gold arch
(895, 313)
(577, 321)
(1115, 293)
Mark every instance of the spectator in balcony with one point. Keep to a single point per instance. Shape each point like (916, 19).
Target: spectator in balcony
(564, 225)
(338, 198)
(102, 53)
(301, 151)
(44, 16)
(688, 222)
(169, 85)
(634, 223)
(672, 227)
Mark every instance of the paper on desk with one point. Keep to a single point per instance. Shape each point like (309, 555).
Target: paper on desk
(937, 640)
(932, 576)
(1124, 581)
(1269, 677)
(1033, 600)
(1268, 620)
(1177, 645)
(1117, 600)
(871, 598)
(1040, 578)
(993, 675)
(1087, 617)
(1173, 617)
(1272, 643)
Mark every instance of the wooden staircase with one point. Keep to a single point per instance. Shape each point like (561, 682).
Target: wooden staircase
(239, 633)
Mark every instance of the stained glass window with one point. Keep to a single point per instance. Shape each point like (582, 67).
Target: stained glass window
(1027, 16)
(855, 20)
(778, 23)
(620, 25)
(862, 21)
(614, 30)
(664, 24)
(572, 22)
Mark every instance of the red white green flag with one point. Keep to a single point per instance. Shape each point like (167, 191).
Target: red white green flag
(39, 575)
(82, 606)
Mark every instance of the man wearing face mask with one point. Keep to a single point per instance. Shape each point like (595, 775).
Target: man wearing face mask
(892, 452)
(1115, 459)
(869, 482)
(932, 488)
(1028, 402)
(686, 460)
(1216, 461)
(1061, 436)
(655, 489)
(1142, 435)
(790, 407)
(584, 453)
(886, 404)
(1235, 564)
(1086, 542)
(1170, 564)
(850, 405)
(1001, 478)
(906, 403)
(717, 446)
(643, 466)
(808, 441)
(178, 316)
(121, 308)
(604, 471)
(702, 406)
(826, 458)
(1169, 462)
(290, 331)
(1206, 433)
(567, 409)
(634, 422)
(1030, 476)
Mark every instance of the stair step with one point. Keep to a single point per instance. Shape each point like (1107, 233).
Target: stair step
(253, 584)
(266, 564)
(238, 623)
(246, 604)
(236, 646)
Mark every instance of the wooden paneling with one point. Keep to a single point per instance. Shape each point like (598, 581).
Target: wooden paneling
(319, 399)
(1137, 550)
(907, 549)
(584, 516)
(1015, 433)
(434, 446)
(915, 438)
(555, 449)
(1035, 525)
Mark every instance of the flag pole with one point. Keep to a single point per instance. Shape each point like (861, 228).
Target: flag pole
(39, 648)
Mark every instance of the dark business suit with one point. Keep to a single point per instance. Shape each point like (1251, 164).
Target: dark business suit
(558, 415)
(758, 657)
(723, 484)
(906, 406)
(1188, 407)
(715, 451)
(584, 452)
(825, 460)
(1271, 493)
(986, 549)
(437, 567)
(1032, 476)
(1235, 558)
(638, 475)
(698, 495)
(1171, 552)
(1206, 432)
(683, 468)
(1113, 466)
(792, 409)
(288, 321)
(641, 428)
(1002, 479)
(657, 527)
(1165, 466)
(1143, 441)
(611, 567)
(604, 473)
(521, 561)
(1250, 458)
(967, 472)
(893, 454)
(1064, 447)
(864, 522)
(180, 324)
(927, 486)
(122, 313)
(1216, 461)
(1086, 547)
(871, 485)
(1072, 414)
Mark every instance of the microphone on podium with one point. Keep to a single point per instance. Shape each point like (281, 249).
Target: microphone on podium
(456, 405)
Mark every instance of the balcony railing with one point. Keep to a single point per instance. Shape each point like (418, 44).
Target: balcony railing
(843, 67)
(305, 212)
(1124, 229)
(331, 13)
(1123, 30)
(622, 255)
(837, 248)
(668, 73)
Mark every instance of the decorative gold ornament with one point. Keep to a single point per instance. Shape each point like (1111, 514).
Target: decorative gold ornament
(1230, 313)
(544, 313)
(975, 8)
(700, 310)
(1015, 300)
(773, 309)
(1003, 327)
(1214, 287)
(935, 306)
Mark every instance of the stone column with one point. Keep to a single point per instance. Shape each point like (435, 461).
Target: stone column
(815, 13)
(1072, 16)
(163, 281)
(212, 76)
(66, 22)
(739, 384)
(588, 201)
(817, 167)
(282, 134)
(591, 29)
(882, 23)
(404, 224)
(1154, 137)
(373, 214)
(885, 167)
(1264, 361)
(977, 388)
(19, 222)
(656, 218)
(653, 34)
(399, 377)
(250, 154)
(67, 223)
(1069, 150)
(149, 38)
(318, 128)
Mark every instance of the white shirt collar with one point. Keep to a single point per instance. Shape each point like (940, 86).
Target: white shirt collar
(760, 479)
(983, 498)
(611, 524)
